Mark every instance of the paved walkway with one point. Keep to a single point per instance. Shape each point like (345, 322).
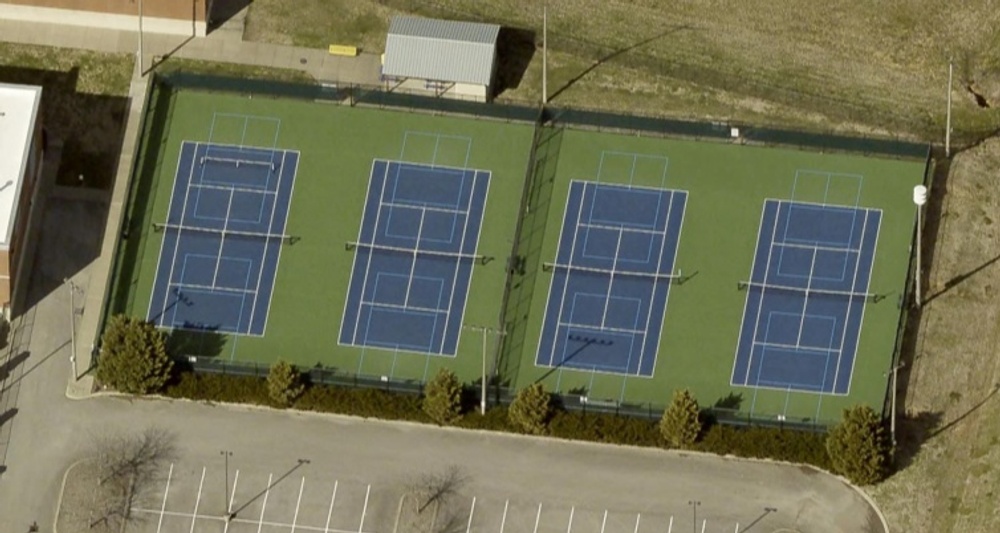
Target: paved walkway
(221, 45)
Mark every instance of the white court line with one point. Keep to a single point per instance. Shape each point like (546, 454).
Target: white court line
(538, 517)
(604, 521)
(805, 299)
(295, 518)
(760, 304)
(222, 239)
(267, 491)
(458, 263)
(201, 484)
(847, 316)
(611, 281)
(569, 528)
(270, 228)
(166, 490)
(503, 520)
(472, 512)
(326, 529)
(659, 268)
(368, 267)
(364, 510)
(177, 242)
(572, 250)
(413, 265)
(871, 267)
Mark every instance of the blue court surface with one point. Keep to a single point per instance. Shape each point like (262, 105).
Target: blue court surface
(611, 278)
(222, 238)
(414, 257)
(806, 297)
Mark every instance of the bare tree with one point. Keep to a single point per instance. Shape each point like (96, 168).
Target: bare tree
(437, 487)
(126, 467)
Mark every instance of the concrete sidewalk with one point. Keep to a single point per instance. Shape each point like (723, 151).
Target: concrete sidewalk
(220, 46)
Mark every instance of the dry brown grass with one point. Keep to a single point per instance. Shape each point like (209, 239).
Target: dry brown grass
(953, 481)
(841, 65)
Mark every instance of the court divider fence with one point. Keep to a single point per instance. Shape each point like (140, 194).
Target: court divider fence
(546, 120)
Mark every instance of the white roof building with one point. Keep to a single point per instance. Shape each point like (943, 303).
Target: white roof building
(19, 105)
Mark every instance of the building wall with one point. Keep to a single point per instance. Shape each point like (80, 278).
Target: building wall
(463, 91)
(185, 17)
(13, 287)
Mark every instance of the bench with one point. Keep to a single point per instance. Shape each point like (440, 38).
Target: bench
(343, 50)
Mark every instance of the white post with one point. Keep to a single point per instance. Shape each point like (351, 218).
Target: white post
(545, 53)
(919, 198)
(72, 326)
(482, 398)
(139, 59)
(947, 127)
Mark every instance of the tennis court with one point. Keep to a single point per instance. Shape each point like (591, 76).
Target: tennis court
(611, 278)
(222, 238)
(806, 297)
(414, 257)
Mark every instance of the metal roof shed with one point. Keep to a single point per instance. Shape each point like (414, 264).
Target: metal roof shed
(441, 51)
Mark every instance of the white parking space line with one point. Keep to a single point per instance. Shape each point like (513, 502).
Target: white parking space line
(670, 527)
(472, 511)
(298, 503)
(604, 521)
(232, 497)
(201, 484)
(364, 510)
(332, 500)
(572, 511)
(637, 517)
(503, 521)
(260, 523)
(166, 490)
(538, 517)
(703, 523)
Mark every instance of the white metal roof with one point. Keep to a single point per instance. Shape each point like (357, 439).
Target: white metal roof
(440, 50)
(18, 113)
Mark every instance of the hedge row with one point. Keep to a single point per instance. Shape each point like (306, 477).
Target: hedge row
(756, 442)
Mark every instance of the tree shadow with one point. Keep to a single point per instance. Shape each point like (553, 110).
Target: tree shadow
(515, 49)
(185, 343)
(912, 431)
(733, 401)
(614, 54)
(11, 363)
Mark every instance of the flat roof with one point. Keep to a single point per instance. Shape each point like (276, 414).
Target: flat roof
(18, 112)
(440, 50)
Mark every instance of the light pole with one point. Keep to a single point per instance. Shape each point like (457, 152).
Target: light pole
(72, 325)
(226, 454)
(947, 126)
(919, 198)
(484, 331)
(545, 53)
(694, 514)
(139, 59)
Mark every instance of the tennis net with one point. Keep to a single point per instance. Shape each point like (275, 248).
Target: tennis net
(591, 270)
(226, 233)
(229, 161)
(807, 291)
(415, 251)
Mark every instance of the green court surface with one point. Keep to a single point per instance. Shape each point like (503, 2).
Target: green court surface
(727, 185)
(337, 146)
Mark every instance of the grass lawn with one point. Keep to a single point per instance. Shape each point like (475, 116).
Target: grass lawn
(847, 66)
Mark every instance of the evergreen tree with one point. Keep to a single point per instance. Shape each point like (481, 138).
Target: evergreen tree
(680, 425)
(284, 384)
(443, 398)
(859, 447)
(531, 409)
(133, 357)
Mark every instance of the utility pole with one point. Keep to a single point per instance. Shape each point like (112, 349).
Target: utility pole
(545, 53)
(947, 127)
(484, 330)
(72, 325)
(919, 198)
